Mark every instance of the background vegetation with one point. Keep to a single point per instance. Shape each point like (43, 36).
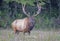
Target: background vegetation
(48, 18)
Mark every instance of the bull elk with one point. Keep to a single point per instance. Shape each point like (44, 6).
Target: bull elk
(26, 24)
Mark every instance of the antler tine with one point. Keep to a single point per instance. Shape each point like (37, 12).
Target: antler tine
(23, 8)
(39, 10)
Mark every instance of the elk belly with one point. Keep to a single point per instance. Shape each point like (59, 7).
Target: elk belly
(20, 24)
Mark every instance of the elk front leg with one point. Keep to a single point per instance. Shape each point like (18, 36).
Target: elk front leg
(29, 32)
(24, 32)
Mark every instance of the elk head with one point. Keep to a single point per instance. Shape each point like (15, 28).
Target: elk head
(26, 24)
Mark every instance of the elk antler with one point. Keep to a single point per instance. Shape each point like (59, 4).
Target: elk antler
(23, 8)
(39, 10)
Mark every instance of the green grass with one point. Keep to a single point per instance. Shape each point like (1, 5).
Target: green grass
(36, 35)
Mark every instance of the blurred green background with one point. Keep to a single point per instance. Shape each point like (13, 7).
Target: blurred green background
(49, 18)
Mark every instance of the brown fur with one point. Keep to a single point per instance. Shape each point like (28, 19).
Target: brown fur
(19, 30)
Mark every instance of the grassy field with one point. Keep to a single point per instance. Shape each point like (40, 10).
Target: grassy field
(36, 35)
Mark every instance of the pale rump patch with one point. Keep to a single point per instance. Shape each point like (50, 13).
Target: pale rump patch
(19, 23)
